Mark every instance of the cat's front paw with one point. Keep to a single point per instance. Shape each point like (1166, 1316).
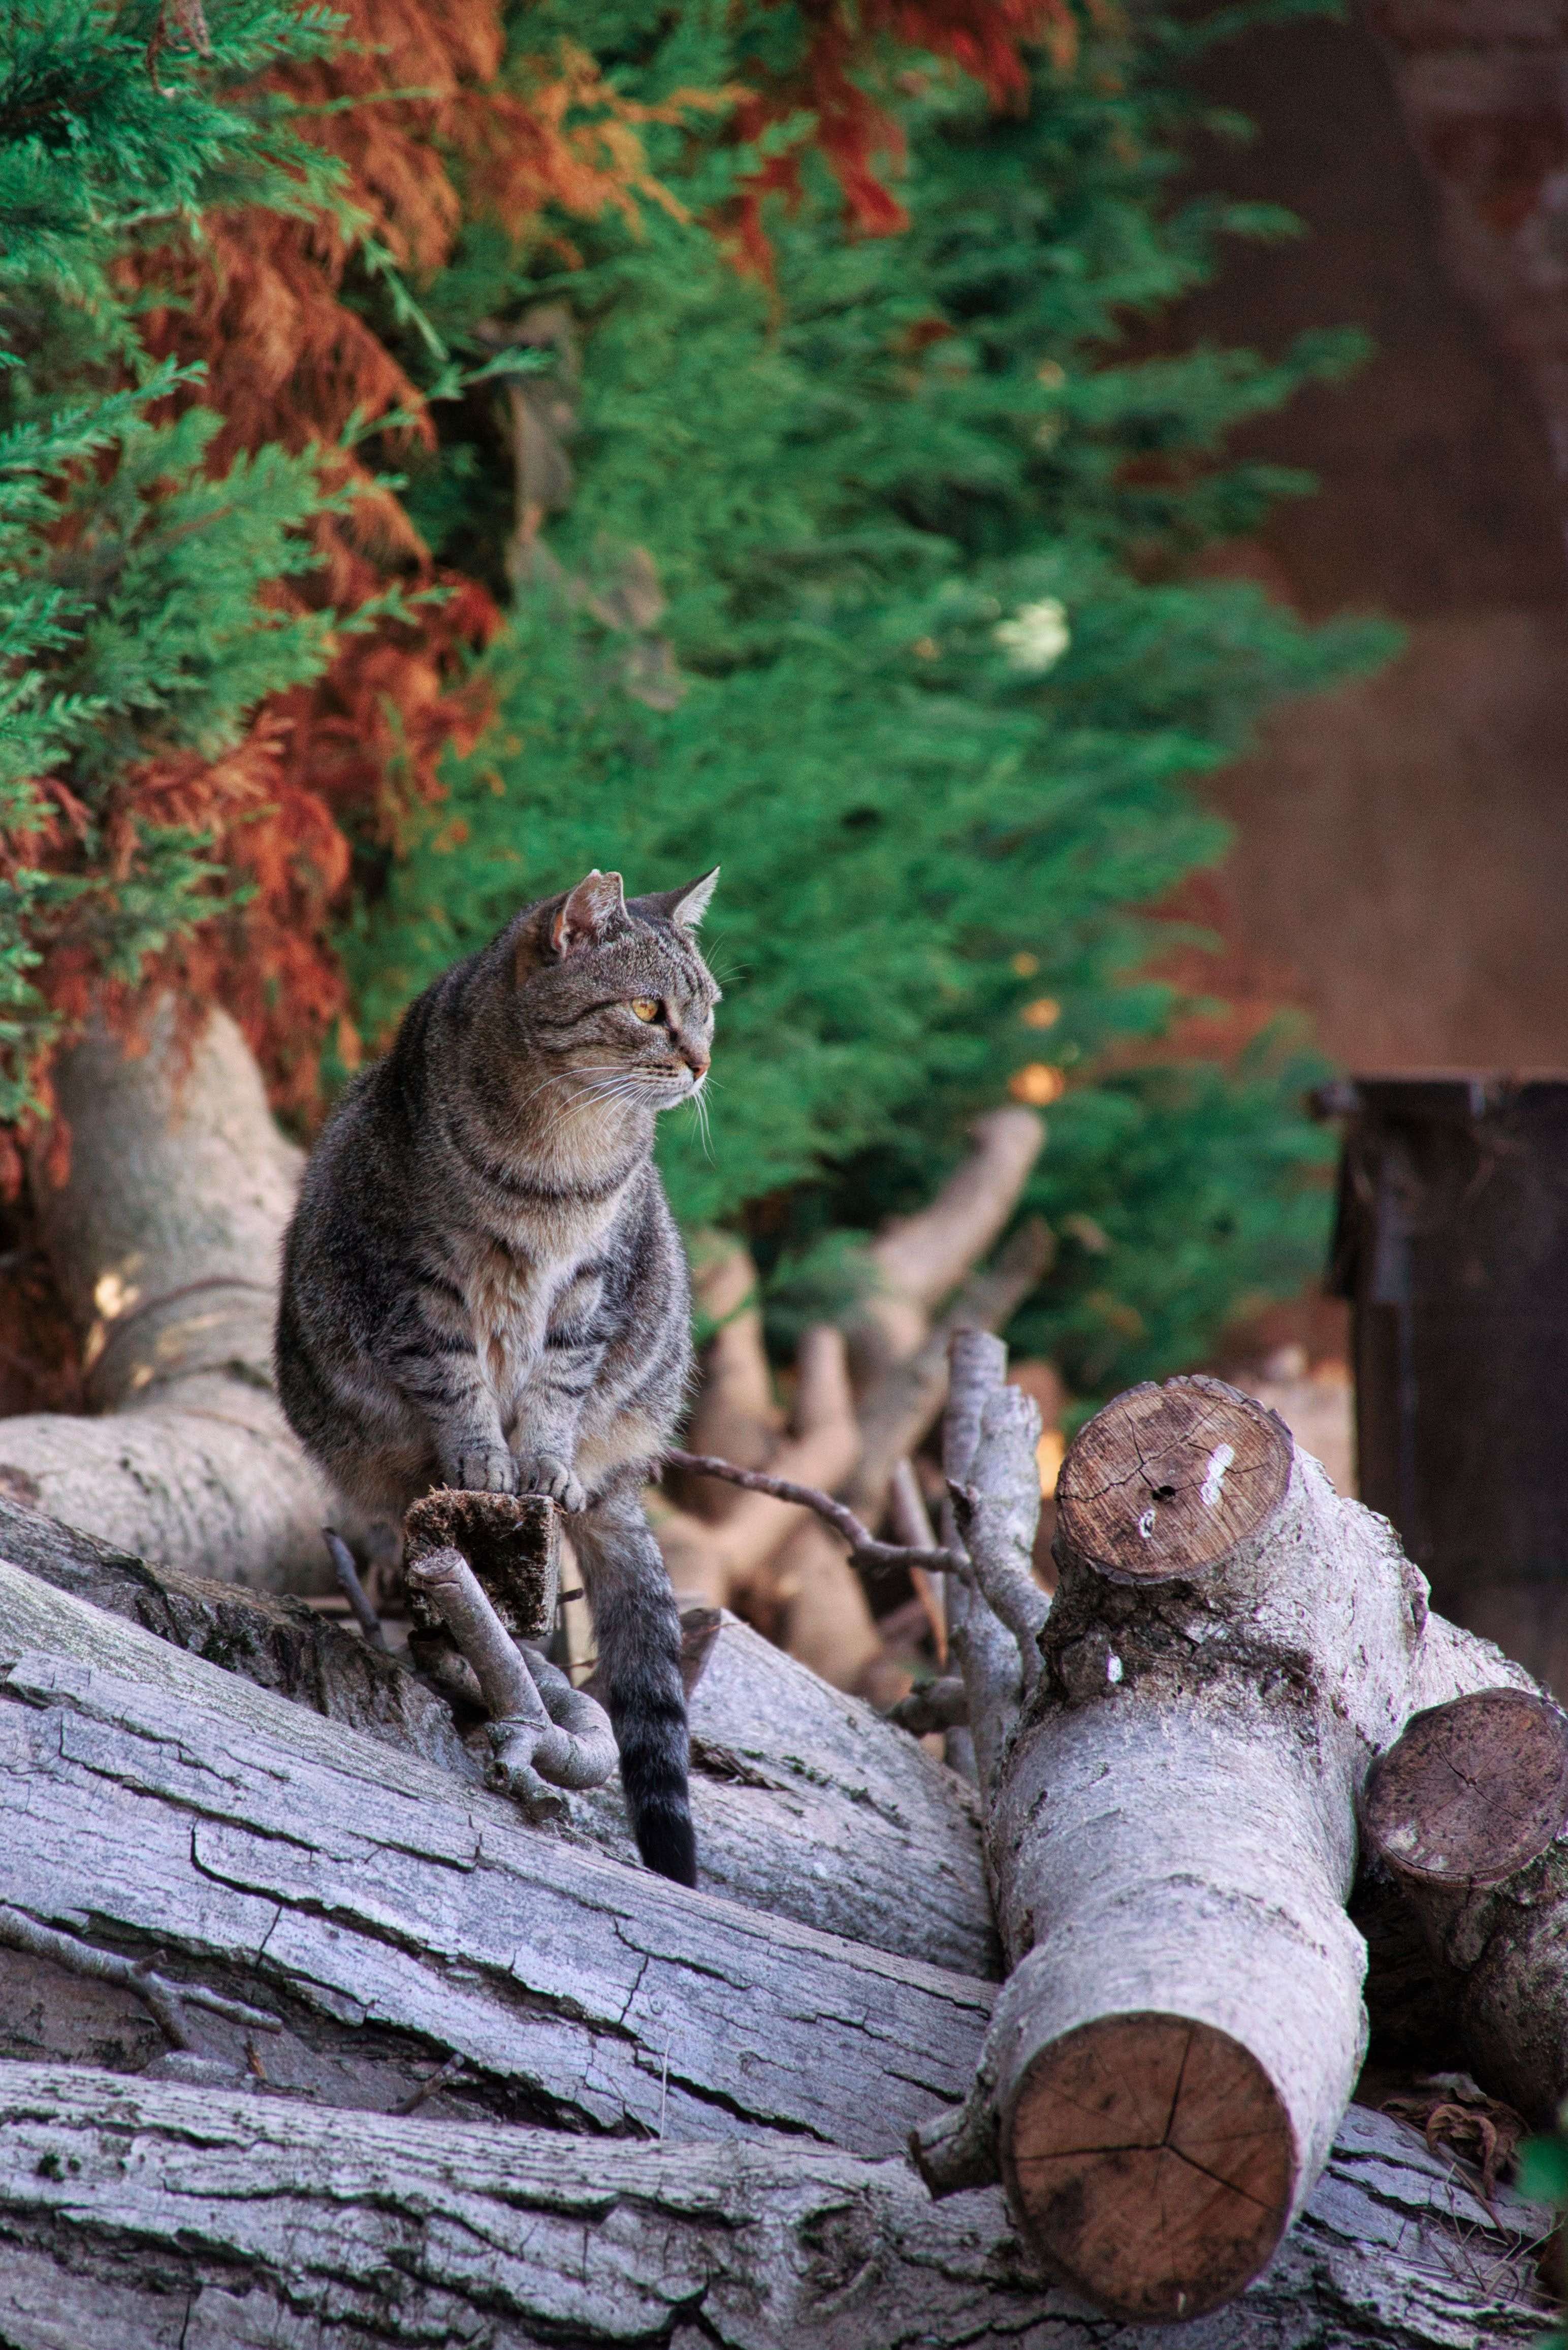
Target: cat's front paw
(482, 1468)
(545, 1473)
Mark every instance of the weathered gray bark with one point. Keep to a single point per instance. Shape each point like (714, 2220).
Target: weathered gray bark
(148, 2216)
(165, 1240)
(984, 1651)
(277, 1642)
(844, 1812)
(1230, 1646)
(806, 1803)
(255, 1849)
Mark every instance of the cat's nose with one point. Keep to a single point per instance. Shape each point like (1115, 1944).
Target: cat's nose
(696, 1059)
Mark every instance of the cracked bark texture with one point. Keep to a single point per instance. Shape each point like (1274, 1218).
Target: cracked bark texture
(165, 1242)
(154, 2218)
(806, 1802)
(382, 1914)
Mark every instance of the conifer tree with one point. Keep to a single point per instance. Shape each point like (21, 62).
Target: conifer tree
(139, 616)
(868, 577)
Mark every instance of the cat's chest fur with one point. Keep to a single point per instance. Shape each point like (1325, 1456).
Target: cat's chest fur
(512, 1273)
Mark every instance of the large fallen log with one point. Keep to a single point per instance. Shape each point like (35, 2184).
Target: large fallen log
(145, 2215)
(165, 1240)
(381, 1914)
(1171, 1833)
(806, 1803)
(277, 1642)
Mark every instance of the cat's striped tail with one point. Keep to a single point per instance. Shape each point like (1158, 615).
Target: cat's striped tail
(637, 1629)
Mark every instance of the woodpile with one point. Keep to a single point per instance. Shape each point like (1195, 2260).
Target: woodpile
(336, 2008)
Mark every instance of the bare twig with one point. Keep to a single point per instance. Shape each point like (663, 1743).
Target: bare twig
(912, 1524)
(864, 1545)
(163, 2001)
(353, 1590)
(439, 2079)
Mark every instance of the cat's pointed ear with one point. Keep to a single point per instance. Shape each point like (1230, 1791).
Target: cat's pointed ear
(587, 914)
(685, 908)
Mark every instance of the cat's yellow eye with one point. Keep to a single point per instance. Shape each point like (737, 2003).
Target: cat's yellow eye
(645, 1006)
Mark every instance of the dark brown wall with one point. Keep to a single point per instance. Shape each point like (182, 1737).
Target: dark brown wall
(1402, 850)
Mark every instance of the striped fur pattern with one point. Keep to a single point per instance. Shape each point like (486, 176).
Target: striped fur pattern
(484, 1285)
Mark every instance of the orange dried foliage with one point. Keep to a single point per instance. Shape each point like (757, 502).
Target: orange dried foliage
(986, 38)
(259, 302)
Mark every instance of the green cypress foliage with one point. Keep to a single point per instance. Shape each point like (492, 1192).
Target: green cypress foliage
(910, 542)
(135, 620)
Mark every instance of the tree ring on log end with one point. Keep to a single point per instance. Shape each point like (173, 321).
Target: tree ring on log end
(1150, 2158)
(512, 1541)
(1472, 1792)
(1165, 1481)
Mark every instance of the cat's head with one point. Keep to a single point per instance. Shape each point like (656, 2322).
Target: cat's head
(616, 991)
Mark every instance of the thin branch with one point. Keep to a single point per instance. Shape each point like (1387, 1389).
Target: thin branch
(165, 2001)
(351, 1587)
(863, 1543)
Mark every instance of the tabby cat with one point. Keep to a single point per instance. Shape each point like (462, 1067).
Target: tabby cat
(483, 1283)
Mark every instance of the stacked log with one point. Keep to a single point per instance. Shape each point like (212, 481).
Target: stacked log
(806, 1804)
(675, 2110)
(423, 2052)
(143, 2214)
(1171, 1834)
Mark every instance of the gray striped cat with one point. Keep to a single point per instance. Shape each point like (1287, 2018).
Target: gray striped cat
(483, 1286)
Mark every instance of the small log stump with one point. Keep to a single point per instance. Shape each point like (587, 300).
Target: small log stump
(1469, 1812)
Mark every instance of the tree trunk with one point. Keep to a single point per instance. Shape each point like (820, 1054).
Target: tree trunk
(1468, 1812)
(144, 2215)
(1230, 1645)
(380, 1913)
(165, 1242)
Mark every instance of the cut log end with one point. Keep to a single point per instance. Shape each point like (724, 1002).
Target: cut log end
(1165, 1482)
(512, 1541)
(1472, 1792)
(1150, 2158)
